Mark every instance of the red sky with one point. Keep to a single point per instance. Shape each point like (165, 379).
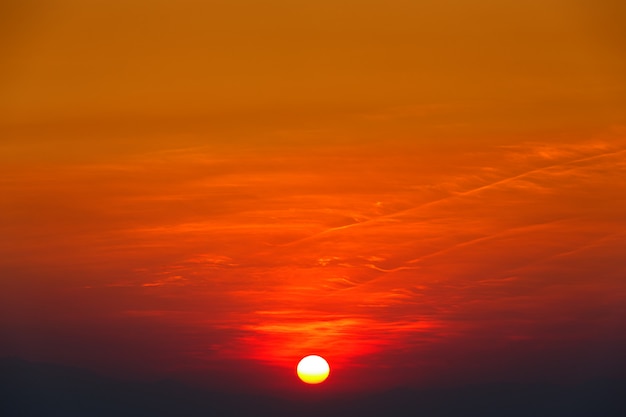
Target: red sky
(423, 194)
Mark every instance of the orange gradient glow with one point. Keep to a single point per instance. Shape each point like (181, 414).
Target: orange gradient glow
(425, 192)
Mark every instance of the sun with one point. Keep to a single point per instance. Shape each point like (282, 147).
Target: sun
(313, 369)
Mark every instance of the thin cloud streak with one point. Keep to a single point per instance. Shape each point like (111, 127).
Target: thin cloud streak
(246, 264)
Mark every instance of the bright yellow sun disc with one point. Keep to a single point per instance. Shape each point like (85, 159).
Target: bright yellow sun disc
(313, 369)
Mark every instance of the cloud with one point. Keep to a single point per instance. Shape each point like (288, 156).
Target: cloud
(232, 256)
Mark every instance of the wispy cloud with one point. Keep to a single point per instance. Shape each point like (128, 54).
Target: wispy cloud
(379, 252)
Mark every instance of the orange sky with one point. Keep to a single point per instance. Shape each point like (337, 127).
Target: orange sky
(423, 192)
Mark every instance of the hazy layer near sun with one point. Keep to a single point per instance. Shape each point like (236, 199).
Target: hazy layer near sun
(347, 251)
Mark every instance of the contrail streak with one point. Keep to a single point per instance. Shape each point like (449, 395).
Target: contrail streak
(500, 182)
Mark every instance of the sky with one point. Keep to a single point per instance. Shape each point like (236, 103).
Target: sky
(427, 193)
